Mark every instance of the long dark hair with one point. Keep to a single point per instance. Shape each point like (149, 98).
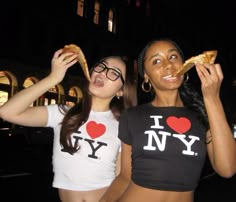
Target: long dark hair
(77, 115)
(189, 95)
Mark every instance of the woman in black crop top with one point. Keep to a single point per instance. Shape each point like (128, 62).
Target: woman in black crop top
(165, 142)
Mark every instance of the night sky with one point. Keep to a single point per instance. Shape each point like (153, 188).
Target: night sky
(31, 31)
(196, 25)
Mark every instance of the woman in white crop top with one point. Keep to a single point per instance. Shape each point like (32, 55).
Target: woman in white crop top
(86, 147)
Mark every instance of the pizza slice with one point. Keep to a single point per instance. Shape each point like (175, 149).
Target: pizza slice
(205, 57)
(81, 58)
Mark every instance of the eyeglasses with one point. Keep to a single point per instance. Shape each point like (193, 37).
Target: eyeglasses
(111, 73)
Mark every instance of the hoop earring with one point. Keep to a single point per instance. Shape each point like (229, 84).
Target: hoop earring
(149, 87)
(186, 78)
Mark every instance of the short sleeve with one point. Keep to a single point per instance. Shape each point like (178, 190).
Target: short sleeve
(55, 116)
(124, 133)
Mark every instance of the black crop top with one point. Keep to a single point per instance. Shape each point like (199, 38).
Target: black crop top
(168, 146)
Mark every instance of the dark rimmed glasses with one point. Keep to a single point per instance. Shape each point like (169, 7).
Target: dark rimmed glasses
(111, 73)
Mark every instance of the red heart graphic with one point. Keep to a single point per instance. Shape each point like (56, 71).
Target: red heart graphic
(95, 129)
(180, 125)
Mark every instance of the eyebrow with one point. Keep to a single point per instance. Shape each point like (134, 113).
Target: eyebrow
(157, 54)
(169, 51)
(115, 68)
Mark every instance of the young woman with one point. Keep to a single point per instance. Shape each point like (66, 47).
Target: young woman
(165, 142)
(86, 147)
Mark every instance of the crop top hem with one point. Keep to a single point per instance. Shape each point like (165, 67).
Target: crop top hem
(75, 188)
(165, 187)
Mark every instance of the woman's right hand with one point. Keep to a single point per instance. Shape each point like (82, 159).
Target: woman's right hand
(60, 63)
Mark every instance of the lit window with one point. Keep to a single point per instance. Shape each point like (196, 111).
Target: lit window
(3, 97)
(96, 12)
(80, 8)
(45, 101)
(74, 96)
(53, 89)
(53, 101)
(53, 96)
(138, 3)
(29, 82)
(70, 104)
(4, 79)
(72, 92)
(110, 21)
(5, 87)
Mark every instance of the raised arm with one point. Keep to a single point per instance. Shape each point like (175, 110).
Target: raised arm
(17, 109)
(122, 181)
(222, 148)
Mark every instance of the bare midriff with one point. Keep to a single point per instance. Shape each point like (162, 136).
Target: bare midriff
(81, 196)
(136, 193)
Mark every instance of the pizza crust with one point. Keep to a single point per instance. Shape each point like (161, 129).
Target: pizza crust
(205, 57)
(81, 58)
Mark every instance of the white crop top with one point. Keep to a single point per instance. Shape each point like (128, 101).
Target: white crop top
(93, 165)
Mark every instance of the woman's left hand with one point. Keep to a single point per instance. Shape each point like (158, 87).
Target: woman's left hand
(211, 77)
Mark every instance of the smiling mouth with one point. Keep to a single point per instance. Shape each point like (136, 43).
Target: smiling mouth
(169, 77)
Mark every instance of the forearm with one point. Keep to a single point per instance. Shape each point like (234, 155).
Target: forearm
(223, 144)
(21, 101)
(116, 189)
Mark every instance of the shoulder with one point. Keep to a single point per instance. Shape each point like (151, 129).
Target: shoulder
(135, 111)
(55, 108)
(138, 109)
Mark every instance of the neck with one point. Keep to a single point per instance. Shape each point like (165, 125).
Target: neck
(167, 100)
(100, 105)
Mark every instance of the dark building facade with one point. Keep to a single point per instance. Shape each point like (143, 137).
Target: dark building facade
(31, 31)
